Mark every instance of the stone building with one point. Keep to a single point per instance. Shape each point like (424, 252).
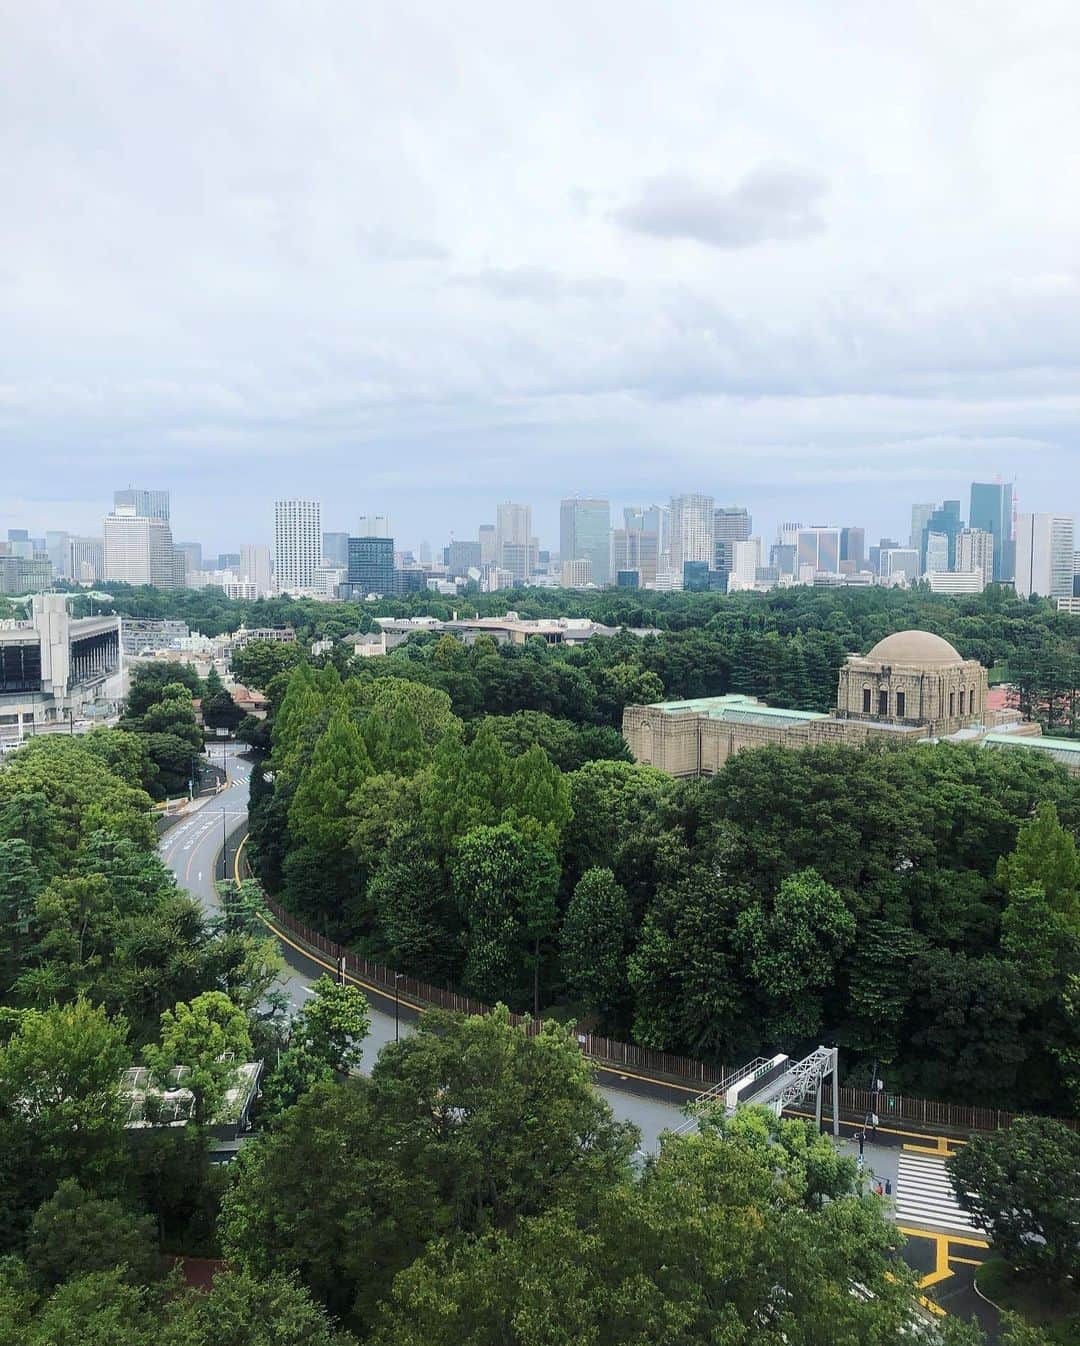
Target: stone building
(912, 686)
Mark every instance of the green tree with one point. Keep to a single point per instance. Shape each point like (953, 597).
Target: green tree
(505, 886)
(75, 1232)
(210, 1037)
(538, 797)
(259, 661)
(241, 1310)
(327, 1039)
(594, 936)
(318, 815)
(20, 884)
(1016, 1184)
(1046, 855)
(416, 924)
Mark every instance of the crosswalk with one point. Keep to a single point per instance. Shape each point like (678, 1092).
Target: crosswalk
(925, 1195)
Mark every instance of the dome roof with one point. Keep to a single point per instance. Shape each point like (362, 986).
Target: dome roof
(914, 647)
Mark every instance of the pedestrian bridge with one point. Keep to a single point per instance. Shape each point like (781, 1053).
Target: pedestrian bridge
(776, 1083)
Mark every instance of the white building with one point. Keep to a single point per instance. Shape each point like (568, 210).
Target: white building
(975, 551)
(297, 543)
(255, 568)
(956, 581)
(745, 563)
(578, 573)
(1044, 555)
(691, 522)
(86, 559)
(138, 550)
(375, 525)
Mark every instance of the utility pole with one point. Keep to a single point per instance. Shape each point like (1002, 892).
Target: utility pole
(397, 979)
(224, 846)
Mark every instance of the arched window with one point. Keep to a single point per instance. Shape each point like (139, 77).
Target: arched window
(901, 705)
(867, 701)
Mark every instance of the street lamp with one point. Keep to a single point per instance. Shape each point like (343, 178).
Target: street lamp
(397, 980)
(224, 847)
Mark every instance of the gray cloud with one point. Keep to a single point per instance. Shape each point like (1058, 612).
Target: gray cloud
(771, 203)
(539, 283)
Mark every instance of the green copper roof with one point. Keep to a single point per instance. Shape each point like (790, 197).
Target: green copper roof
(740, 709)
(1065, 750)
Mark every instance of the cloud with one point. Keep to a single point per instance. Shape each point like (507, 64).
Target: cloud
(388, 247)
(539, 283)
(770, 204)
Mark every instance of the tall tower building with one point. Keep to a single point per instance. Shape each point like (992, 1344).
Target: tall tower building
(375, 525)
(691, 530)
(992, 512)
(1044, 555)
(731, 524)
(975, 552)
(920, 517)
(138, 549)
(585, 535)
(297, 543)
(255, 567)
(514, 546)
(146, 504)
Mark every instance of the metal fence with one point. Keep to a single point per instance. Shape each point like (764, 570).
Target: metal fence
(664, 1066)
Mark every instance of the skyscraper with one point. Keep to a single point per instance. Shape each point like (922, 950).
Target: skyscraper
(375, 525)
(731, 524)
(635, 549)
(255, 567)
(335, 549)
(297, 543)
(920, 517)
(146, 504)
(585, 535)
(138, 549)
(514, 546)
(488, 548)
(853, 549)
(371, 565)
(819, 548)
(1044, 555)
(691, 529)
(975, 552)
(945, 521)
(992, 511)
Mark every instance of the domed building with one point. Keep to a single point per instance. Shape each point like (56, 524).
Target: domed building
(914, 678)
(912, 686)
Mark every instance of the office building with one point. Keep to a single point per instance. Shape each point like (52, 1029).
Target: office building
(585, 535)
(335, 549)
(25, 574)
(1044, 555)
(254, 568)
(138, 549)
(920, 517)
(192, 553)
(628, 579)
(371, 566)
(935, 557)
(782, 558)
(297, 544)
(461, 557)
(637, 550)
(145, 504)
(650, 519)
(513, 528)
(375, 525)
(731, 524)
(577, 574)
(86, 559)
(691, 530)
(899, 564)
(56, 548)
(955, 581)
(992, 512)
(852, 550)
(945, 521)
(975, 552)
(486, 535)
(746, 561)
(818, 550)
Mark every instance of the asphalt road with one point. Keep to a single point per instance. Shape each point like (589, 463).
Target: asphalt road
(192, 849)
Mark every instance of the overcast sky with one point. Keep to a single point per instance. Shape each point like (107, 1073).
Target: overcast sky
(819, 259)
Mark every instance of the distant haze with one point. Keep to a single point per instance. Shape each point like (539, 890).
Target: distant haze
(415, 259)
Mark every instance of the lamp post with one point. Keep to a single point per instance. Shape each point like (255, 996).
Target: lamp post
(397, 979)
(224, 847)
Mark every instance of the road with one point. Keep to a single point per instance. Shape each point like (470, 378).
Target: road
(941, 1243)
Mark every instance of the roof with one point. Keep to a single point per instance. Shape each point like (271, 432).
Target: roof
(1064, 750)
(737, 709)
(914, 647)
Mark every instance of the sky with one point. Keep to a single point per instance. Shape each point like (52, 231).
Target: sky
(821, 260)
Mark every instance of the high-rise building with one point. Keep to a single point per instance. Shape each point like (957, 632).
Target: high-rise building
(945, 521)
(86, 559)
(193, 557)
(585, 535)
(746, 561)
(461, 557)
(577, 574)
(819, 550)
(255, 568)
(1044, 555)
(371, 566)
(486, 535)
(691, 530)
(146, 504)
(514, 543)
(56, 547)
(935, 555)
(297, 543)
(335, 549)
(731, 524)
(635, 549)
(920, 517)
(899, 563)
(975, 553)
(852, 549)
(992, 511)
(375, 525)
(138, 549)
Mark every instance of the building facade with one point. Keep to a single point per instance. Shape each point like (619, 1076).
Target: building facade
(992, 512)
(138, 549)
(145, 504)
(371, 566)
(691, 522)
(976, 551)
(255, 568)
(585, 535)
(297, 543)
(731, 524)
(1044, 555)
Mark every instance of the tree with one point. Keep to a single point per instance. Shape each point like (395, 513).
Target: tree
(1017, 1185)
(1046, 855)
(327, 1040)
(538, 798)
(20, 884)
(75, 1232)
(60, 1088)
(256, 663)
(505, 887)
(210, 1037)
(242, 1310)
(594, 936)
(416, 925)
(318, 815)
(100, 1309)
